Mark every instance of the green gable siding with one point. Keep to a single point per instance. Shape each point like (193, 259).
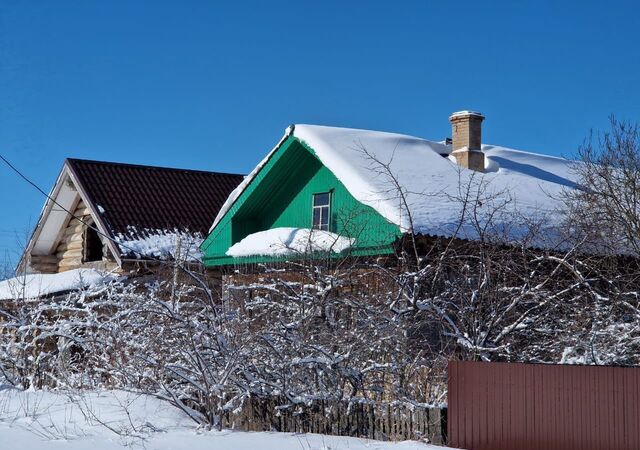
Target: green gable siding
(281, 196)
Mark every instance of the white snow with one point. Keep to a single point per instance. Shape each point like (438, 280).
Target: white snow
(289, 241)
(160, 244)
(529, 184)
(107, 420)
(37, 285)
(465, 113)
(432, 183)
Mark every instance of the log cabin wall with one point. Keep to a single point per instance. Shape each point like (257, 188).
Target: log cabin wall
(68, 253)
(44, 263)
(71, 251)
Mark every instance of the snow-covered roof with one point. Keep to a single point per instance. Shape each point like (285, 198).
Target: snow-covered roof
(432, 183)
(135, 208)
(160, 244)
(287, 241)
(39, 285)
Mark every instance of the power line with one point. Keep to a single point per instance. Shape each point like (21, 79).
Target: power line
(25, 178)
(175, 265)
(118, 244)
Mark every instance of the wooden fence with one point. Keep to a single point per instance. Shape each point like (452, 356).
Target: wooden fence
(379, 421)
(506, 406)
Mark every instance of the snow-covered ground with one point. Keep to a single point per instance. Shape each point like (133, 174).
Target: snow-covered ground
(34, 420)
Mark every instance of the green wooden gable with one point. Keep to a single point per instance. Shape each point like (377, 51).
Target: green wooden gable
(281, 195)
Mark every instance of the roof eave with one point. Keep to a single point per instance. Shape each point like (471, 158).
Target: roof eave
(224, 210)
(102, 226)
(46, 209)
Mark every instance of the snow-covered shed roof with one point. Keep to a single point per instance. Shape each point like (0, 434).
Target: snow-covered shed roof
(369, 163)
(149, 197)
(140, 210)
(145, 208)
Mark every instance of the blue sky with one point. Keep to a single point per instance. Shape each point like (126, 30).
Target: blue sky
(213, 85)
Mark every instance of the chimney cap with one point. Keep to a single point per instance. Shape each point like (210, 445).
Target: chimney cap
(465, 113)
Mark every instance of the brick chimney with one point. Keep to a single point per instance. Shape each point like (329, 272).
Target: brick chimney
(466, 131)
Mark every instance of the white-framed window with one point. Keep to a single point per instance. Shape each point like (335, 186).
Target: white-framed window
(321, 211)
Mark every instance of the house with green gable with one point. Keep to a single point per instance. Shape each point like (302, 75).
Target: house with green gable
(289, 192)
(338, 192)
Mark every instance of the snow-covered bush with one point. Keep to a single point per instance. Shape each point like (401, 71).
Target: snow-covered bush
(327, 331)
(354, 329)
(604, 214)
(341, 327)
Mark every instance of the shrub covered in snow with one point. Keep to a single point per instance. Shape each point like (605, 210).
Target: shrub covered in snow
(338, 328)
(355, 330)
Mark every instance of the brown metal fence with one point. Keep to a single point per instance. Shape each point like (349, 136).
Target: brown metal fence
(507, 406)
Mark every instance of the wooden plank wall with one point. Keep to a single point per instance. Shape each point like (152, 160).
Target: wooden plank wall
(380, 421)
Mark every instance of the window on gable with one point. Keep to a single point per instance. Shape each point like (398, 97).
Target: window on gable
(93, 249)
(321, 211)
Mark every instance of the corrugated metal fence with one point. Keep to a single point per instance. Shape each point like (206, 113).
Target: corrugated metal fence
(507, 406)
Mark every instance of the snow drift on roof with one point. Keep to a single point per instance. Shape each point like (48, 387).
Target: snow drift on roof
(39, 285)
(152, 197)
(289, 241)
(412, 183)
(160, 244)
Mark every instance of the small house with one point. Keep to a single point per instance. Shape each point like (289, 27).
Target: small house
(339, 191)
(109, 216)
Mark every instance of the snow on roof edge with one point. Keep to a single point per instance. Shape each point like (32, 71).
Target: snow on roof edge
(39, 285)
(226, 206)
(286, 241)
(423, 167)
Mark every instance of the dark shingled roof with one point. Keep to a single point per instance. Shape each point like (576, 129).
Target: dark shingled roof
(153, 198)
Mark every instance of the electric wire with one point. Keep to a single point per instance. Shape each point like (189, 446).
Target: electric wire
(94, 228)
